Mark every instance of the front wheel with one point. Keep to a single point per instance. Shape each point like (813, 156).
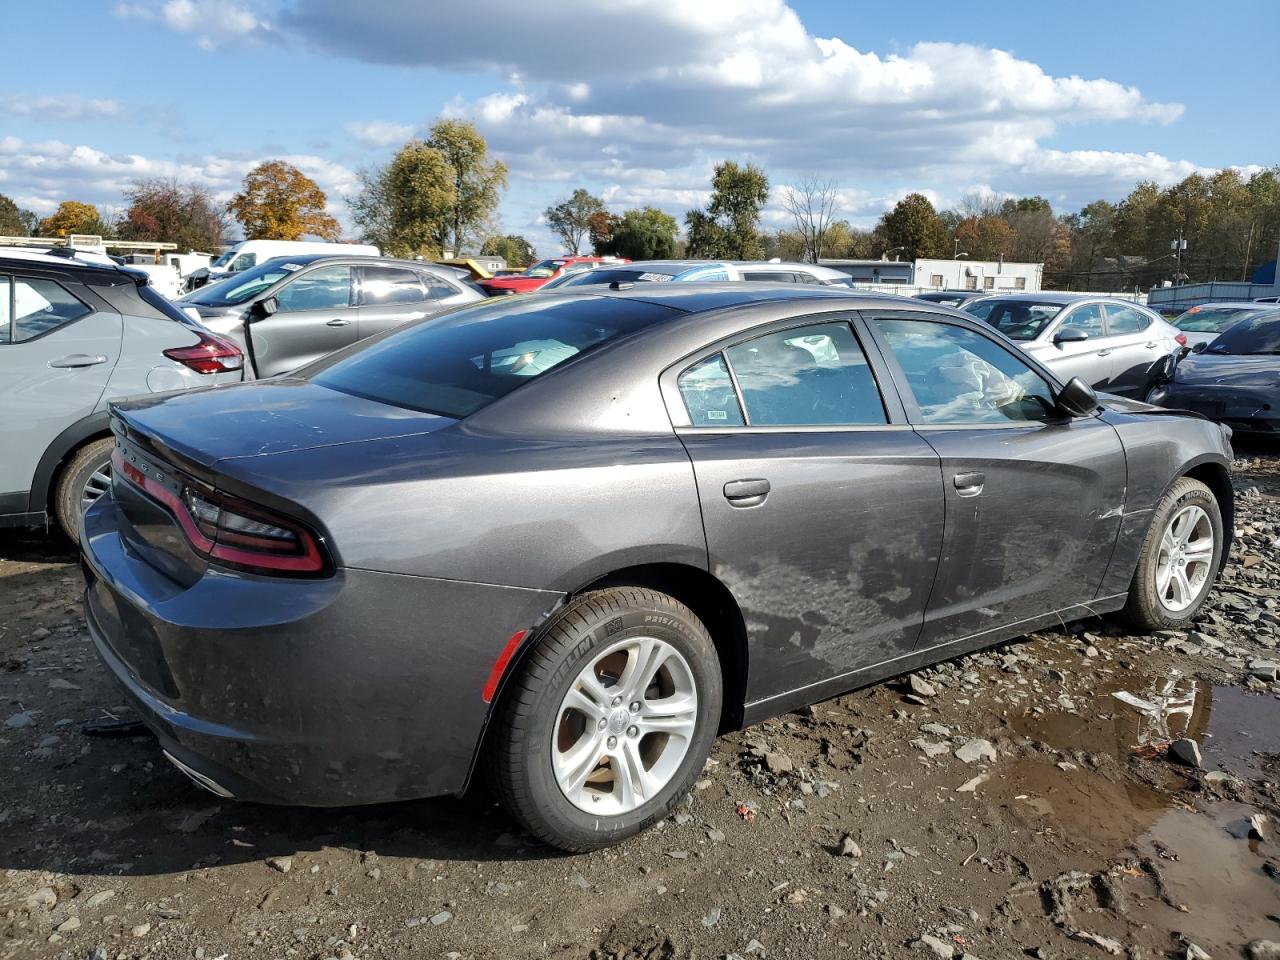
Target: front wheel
(609, 721)
(1179, 560)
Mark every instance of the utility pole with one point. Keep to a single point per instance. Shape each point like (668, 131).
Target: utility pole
(1178, 245)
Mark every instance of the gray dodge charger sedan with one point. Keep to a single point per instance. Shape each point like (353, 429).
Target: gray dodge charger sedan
(565, 540)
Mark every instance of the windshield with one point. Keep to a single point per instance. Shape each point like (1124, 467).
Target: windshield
(1016, 319)
(223, 260)
(543, 268)
(244, 285)
(1212, 319)
(1259, 334)
(462, 361)
(637, 275)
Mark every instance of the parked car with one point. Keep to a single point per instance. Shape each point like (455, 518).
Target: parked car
(249, 253)
(1234, 379)
(569, 538)
(542, 272)
(292, 310)
(74, 335)
(1203, 323)
(758, 271)
(1111, 344)
(951, 298)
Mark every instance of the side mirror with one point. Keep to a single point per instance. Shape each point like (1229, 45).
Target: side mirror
(1070, 335)
(1200, 346)
(1077, 399)
(263, 308)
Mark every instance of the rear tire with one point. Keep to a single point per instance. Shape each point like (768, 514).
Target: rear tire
(1180, 558)
(609, 720)
(82, 481)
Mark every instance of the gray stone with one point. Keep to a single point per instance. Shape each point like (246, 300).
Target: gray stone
(1185, 752)
(975, 750)
(936, 729)
(1264, 669)
(848, 847)
(20, 720)
(68, 925)
(921, 687)
(1193, 952)
(44, 897)
(99, 898)
(444, 916)
(779, 763)
(282, 864)
(1262, 950)
(932, 944)
(929, 748)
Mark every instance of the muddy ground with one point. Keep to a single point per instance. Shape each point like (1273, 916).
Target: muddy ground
(1009, 805)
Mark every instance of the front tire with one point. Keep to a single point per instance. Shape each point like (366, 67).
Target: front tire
(609, 720)
(86, 477)
(1180, 557)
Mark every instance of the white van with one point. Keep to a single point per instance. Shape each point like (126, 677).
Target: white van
(249, 253)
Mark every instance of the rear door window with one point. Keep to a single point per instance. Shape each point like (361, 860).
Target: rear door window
(380, 286)
(39, 306)
(1121, 320)
(807, 376)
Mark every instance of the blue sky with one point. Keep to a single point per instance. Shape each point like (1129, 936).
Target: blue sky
(636, 100)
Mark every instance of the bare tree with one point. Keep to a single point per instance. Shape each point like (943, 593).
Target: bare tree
(812, 204)
(979, 203)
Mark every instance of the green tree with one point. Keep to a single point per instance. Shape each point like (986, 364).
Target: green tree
(14, 221)
(647, 234)
(477, 180)
(571, 219)
(914, 227)
(513, 248)
(277, 201)
(729, 227)
(407, 207)
(1092, 238)
(172, 212)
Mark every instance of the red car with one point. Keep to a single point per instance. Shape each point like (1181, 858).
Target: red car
(541, 272)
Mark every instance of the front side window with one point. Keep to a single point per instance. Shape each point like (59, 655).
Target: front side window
(245, 261)
(806, 376)
(1087, 318)
(708, 394)
(1126, 320)
(960, 377)
(388, 285)
(40, 305)
(325, 288)
(1016, 319)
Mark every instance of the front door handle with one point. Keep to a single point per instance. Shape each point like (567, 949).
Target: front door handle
(969, 484)
(78, 360)
(746, 493)
(1104, 353)
(337, 322)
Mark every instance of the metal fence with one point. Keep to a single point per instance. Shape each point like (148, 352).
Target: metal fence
(906, 290)
(1190, 294)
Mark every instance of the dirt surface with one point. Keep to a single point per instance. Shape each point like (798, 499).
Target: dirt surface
(1005, 804)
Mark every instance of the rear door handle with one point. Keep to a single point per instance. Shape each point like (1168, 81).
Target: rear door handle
(746, 493)
(337, 322)
(969, 484)
(78, 360)
(1104, 353)
(1153, 344)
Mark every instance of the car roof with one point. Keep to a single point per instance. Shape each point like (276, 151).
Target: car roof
(307, 259)
(1233, 304)
(701, 296)
(63, 260)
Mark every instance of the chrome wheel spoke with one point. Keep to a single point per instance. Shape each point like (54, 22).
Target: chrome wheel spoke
(675, 715)
(576, 699)
(1185, 559)
(643, 662)
(574, 766)
(99, 482)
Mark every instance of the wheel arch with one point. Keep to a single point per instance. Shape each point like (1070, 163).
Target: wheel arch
(45, 481)
(1217, 478)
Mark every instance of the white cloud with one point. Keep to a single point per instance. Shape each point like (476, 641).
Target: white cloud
(380, 133)
(58, 106)
(213, 23)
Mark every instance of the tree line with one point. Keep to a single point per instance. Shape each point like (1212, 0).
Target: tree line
(441, 194)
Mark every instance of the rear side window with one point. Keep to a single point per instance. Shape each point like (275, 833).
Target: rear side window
(708, 394)
(438, 288)
(34, 306)
(770, 276)
(806, 376)
(1126, 320)
(461, 361)
(6, 308)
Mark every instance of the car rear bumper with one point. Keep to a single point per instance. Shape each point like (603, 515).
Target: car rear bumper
(361, 688)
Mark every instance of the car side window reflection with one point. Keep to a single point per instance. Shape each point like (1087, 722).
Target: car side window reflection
(1087, 318)
(807, 376)
(325, 288)
(960, 377)
(709, 396)
(1122, 320)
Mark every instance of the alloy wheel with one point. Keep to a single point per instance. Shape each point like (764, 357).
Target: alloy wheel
(1185, 560)
(624, 727)
(99, 482)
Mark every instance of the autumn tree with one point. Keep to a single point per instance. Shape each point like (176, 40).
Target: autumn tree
(72, 216)
(278, 201)
(571, 219)
(477, 181)
(985, 237)
(172, 212)
(514, 249)
(647, 234)
(14, 221)
(407, 207)
(728, 229)
(913, 228)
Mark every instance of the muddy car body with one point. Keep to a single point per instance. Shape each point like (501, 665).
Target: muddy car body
(442, 583)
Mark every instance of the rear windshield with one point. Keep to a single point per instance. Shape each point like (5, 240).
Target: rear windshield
(1212, 319)
(1016, 319)
(464, 360)
(639, 275)
(1254, 335)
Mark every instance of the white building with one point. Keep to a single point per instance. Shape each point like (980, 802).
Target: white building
(978, 275)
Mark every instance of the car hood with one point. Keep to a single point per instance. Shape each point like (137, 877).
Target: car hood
(265, 417)
(1209, 369)
(514, 283)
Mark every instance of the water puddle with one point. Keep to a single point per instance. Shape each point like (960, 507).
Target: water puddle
(1205, 875)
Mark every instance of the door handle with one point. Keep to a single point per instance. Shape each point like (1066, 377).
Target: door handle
(1153, 344)
(337, 322)
(1104, 353)
(969, 484)
(746, 493)
(78, 360)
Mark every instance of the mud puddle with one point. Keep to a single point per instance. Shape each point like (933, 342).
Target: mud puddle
(1186, 861)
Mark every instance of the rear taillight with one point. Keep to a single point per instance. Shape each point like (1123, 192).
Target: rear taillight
(1181, 339)
(213, 354)
(232, 531)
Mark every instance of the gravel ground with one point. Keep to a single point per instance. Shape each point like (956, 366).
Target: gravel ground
(1005, 804)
